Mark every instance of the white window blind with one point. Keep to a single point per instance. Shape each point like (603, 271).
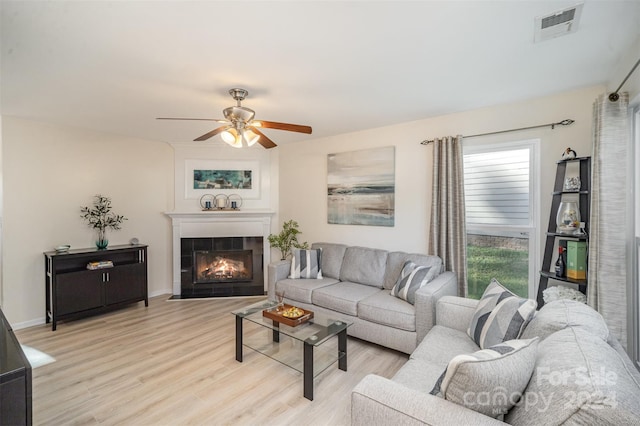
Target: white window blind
(496, 186)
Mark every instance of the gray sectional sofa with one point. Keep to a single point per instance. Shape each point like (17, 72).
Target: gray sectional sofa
(581, 375)
(356, 287)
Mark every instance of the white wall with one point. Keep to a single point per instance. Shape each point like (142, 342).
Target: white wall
(303, 166)
(49, 172)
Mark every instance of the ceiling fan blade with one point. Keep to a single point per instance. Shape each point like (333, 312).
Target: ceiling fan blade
(198, 119)
(264, 141)
(283, 126)
(212, 133)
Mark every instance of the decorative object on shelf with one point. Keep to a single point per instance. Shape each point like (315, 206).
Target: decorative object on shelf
(101, 264)
(100, 217)
(221, 202)
(572, 184)
(207, 201)
(568, 154)
(561, 292)
(561, 269)
(568, 217)
(235, 201)
(134, 241)
(577, 260)
(287, 239)
(63, 248)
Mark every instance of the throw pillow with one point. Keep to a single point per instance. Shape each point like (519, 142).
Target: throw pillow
(499, 316)
(306, 263)
(411, 279)
(490, 381)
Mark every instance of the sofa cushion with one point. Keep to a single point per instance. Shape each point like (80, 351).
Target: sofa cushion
(364, 266)
(443, 343)
(490, 381)
(397, 259)
(500, 315)
(560, 314)
(579, 379)
(419, 375)
(332, 255)
(382, 308)
(342, 297)
(301, 290)
(306, 264)
(412, 278)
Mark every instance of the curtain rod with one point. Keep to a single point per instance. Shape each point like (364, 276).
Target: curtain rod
(566, 122)
(614, 96)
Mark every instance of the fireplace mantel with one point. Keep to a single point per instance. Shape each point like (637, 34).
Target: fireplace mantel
(218, 223)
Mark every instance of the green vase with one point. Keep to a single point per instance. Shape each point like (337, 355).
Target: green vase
(102, 241)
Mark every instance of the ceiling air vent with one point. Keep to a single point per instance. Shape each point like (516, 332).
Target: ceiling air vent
(557, 24)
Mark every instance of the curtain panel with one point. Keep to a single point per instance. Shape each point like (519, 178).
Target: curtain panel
(448, 232)
(607, 288)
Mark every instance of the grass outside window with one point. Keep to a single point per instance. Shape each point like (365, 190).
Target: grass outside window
(509, 266)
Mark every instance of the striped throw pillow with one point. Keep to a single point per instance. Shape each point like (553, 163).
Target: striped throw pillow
(499, 316)
(490, 381)
(411, 279)
(306, 264)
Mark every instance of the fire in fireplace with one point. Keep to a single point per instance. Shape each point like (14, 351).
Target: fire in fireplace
(221, 266)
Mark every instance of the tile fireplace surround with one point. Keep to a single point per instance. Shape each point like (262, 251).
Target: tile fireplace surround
(218, 224)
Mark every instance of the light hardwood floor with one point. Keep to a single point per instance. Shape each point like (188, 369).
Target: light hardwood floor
(173, 363)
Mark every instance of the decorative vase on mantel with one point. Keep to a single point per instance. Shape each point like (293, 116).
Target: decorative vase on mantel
(102, 242)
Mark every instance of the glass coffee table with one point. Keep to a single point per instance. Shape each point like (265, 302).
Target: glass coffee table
(299, 347)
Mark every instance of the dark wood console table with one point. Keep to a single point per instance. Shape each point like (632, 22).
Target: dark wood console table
(73, 291)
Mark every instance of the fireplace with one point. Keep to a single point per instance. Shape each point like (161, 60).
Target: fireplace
(220, 266)
(239, 234)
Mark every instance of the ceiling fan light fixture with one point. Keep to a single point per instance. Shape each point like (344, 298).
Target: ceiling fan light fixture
(239, 128)
(231, 137)
(249, 137)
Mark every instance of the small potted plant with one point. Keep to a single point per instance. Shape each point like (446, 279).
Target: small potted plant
(287, 239)
(100, 217)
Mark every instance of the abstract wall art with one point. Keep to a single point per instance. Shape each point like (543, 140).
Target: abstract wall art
(361, 187)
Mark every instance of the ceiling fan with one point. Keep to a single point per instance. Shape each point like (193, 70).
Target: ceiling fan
(240, 129)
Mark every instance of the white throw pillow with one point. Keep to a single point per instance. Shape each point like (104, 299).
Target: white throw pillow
(411, 279)
(490, 381)
(306, 263)
(499, 316)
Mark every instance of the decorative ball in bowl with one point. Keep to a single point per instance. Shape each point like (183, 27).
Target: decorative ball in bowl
(63, 248)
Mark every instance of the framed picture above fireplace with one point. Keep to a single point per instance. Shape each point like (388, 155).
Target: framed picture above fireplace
(222, 177)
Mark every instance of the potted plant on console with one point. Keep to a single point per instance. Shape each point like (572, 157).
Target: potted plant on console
(287, 239)
(100, 217)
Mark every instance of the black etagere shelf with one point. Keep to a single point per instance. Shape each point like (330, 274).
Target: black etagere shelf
(552, 236)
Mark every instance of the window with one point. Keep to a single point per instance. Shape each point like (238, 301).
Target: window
(500, 189)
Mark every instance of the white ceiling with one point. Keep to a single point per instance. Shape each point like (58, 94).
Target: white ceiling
(336, 66)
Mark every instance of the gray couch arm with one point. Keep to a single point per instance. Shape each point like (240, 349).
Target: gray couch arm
(426, 299)
(276, 271)
(455, 312)
(379, 401)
